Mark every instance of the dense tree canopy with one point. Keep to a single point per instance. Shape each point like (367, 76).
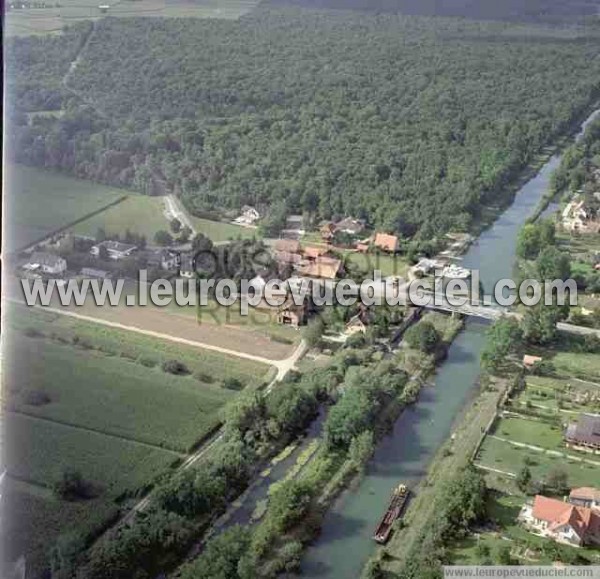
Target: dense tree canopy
(413, 123)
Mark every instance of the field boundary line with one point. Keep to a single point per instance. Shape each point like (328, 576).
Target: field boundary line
(194, 343)
(122, 438)
(71, 224)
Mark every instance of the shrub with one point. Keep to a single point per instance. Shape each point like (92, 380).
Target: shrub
(71, 486)
(36, 398)
(33, 333)
(206, 378)
(232, 384)
(175, 367)
(148, 362)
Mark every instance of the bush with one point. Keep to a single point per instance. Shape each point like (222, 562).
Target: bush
(148, 362)
(36, 398)
(206, 378)
(423, 337)
(71, 486)
(175, 367)
(33, 333)
(232, 384)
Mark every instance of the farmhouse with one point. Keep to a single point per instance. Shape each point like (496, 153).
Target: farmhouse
(561, 521)
(584, 435)
(530, 361)
(248, 217)
(290, 314)
(327, 230)
(386, 242)
(187, 266)
(350, 226)
(588, 497)
(577, 217)
(115, 249)
(161, 258)
(46, 263)
(312, 252)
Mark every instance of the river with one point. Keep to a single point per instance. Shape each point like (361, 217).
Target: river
(345, 542)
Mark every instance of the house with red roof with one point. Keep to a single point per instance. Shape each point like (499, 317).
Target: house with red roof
(562, 521)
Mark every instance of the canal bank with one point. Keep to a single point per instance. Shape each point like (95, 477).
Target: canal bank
(345, 544)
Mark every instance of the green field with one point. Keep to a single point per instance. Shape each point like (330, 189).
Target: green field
(95, 399)
(52, 19)
(112, 381)
(38, 451)
(220, 231)
(33, 519)
(139, 214)
(39, 202)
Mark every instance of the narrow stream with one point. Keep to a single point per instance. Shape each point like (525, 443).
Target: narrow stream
(345, 543)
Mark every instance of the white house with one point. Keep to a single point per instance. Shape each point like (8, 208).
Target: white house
(115, 249)
(46, 263)
(248, 217)
(561, 521)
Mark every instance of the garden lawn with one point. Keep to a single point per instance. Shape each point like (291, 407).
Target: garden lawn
(503, 456)
(532, 432)
(220, 231)
(39, 202)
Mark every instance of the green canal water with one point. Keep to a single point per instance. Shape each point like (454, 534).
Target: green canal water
(345, 542)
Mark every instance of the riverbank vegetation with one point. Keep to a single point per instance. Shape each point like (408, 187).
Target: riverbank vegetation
(366, 393)
(473, 104)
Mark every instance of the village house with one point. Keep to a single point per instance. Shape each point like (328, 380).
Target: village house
(187, 266)
(248, 217)
(385, 242)
(161, 258)
(578, 218)
(530, 361)
(290, 314)
(561, 521)
(584, 435)
(350, 226)
(327, 230)
(294, 227)
(355, 326)
(115, 249)
(46, 263)
(588, 497)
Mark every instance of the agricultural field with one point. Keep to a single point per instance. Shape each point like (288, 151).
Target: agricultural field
(34, 518)
(96, 400)
(112, 381)
(139, 214)
(39, 202)
(52, 18)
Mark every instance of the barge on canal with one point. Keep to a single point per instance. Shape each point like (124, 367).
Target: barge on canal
(394, 510)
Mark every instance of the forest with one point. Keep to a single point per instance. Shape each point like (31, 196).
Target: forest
(413, 123)
(530, 10)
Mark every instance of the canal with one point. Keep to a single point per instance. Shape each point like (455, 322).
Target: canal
(345, 542)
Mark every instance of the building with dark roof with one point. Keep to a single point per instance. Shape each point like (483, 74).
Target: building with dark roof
(584, 434)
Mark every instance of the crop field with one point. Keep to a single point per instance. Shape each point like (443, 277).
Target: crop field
(138, 213)
(34, 519)
(38, 451)
(39, 202)
(97, 400)
(112, 381)
(51, 19)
